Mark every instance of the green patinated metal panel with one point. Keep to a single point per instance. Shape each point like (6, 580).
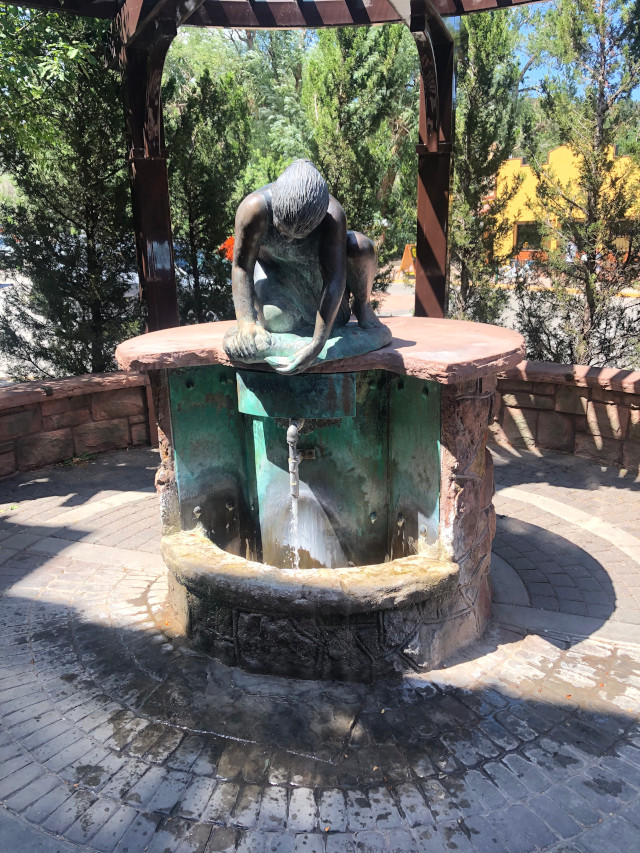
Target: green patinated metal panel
(342, 509)
(270, 395)
(210, 455)
(369, 470)
(414, 464)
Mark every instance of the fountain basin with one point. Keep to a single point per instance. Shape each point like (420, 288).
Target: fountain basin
(395, 519)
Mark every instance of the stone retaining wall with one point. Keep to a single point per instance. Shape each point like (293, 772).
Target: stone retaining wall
(587, 411)
(46, 422)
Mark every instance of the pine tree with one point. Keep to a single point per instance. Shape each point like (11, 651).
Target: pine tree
(360, 91)
(70, 225)
(591, 47)
(486, 129)
(207, 133)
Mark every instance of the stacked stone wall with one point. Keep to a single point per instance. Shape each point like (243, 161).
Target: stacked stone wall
(42, 423)
(586, 411)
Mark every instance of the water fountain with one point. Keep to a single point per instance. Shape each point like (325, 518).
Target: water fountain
(332, 518)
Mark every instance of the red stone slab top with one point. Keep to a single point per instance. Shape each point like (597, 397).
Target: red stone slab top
(445, 351)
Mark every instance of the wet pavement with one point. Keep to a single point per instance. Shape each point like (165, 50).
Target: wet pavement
(115, 737)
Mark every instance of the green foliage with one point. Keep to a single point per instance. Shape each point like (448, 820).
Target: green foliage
(69, 223)
(485, 134)
(360, 92)
(37, 51)
(207, 129)
(590, 48)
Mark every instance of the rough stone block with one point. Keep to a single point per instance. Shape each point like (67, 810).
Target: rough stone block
(572, 400)
(597, 447)
(634, 425)
(520, 427)
(101, 435)
(580, 422)
(607, 419)
(555, 431)
(65, 404)
(140, 433)
(44, 448)
(73, 417)
(138, 419)
(527, 401)
(631, 456)
(118, 404)
(601, 395)
(20, 423)
(548, 388)
(496, 406)
(514, 385)
(487, 487)
(7, 463)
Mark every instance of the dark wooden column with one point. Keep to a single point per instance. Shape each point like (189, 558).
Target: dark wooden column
(142, 66)
(140, 41)
(435, 48)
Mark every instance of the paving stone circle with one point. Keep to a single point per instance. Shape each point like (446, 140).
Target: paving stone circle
(116, 737)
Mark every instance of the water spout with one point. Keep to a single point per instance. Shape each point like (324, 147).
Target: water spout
(294, 458)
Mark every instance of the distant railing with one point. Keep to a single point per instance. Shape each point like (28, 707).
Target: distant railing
(588, 411)
(45, 422)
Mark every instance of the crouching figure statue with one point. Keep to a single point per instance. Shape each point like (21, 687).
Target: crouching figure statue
(298, 274)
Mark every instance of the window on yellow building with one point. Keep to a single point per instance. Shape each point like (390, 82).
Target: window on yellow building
(528, 236)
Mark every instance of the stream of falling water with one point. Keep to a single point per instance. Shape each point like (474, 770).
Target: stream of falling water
(294, 544)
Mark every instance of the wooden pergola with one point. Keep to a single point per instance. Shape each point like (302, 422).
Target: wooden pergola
(142, 34)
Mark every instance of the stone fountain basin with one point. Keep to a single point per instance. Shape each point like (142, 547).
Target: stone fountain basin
(206, 571)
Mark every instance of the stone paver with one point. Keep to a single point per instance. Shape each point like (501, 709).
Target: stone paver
(116, 737)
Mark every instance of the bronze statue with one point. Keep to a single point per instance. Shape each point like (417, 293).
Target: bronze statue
(296, 268)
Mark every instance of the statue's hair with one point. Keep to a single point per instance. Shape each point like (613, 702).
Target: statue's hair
(299, 198)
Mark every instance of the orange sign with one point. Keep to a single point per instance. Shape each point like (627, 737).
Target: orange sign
(408, 257)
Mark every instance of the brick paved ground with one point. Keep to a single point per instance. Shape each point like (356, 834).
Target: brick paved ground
(115, 737)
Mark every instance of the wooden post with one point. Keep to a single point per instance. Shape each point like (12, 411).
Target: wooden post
(142, 65)
(435, 48)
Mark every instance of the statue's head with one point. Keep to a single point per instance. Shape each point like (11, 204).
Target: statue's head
(299, 199)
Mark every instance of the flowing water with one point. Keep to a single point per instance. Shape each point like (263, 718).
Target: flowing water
(294, 543)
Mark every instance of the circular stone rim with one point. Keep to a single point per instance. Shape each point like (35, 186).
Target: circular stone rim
(205, 569)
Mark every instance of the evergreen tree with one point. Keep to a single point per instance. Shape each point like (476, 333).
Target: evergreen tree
(70, 225)
(207, 129)
(360, 91)
(591, 47)
(486, 129)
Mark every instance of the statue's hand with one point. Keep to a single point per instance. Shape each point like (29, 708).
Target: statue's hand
(249, 342)
(300, 360)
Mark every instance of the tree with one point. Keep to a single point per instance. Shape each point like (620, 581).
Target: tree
(591, 48)
(208, 130)
(360, 91)
(486, 129)
(70, 224)
(36, 52)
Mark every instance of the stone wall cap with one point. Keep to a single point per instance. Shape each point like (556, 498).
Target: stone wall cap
(445, 351)
(608, 378)
(39, 391)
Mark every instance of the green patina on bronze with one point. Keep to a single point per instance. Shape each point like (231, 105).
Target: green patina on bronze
(370, 446)
(414, 465)
(311, 395)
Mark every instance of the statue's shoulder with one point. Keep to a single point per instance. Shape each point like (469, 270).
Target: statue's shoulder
(336, 217)
(255, 208)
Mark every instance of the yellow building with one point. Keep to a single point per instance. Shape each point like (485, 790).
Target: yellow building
(525, 238)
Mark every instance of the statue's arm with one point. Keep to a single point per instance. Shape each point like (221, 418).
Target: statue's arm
(333, 262)
(252, 222)
(251, 227)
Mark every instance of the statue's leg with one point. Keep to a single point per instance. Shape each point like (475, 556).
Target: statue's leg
(362, 264)
(275, 310)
